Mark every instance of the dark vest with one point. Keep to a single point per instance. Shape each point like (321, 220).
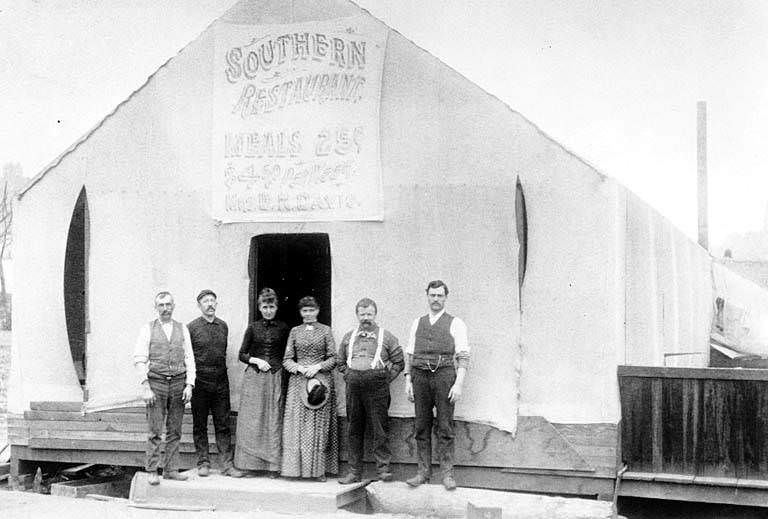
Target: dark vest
(209, 346)
(434, 339)
(166, 357)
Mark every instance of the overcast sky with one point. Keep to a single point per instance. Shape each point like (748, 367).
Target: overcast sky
(615, 81)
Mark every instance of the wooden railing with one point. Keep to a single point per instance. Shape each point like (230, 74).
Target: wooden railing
(697, 421)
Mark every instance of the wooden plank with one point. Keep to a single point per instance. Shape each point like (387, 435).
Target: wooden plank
(173, 507)
(636, 431)
(288, 496)
(676, 418)
(110, 445)
(74, 407)
(40, 427)
(589, 435)
(694, 493)
(716, 481)
(638, 476)
(100, 417)
(714, 457)
(537, 443)
(104, 457)
(684, 479)
(752, 483)
(64, 415)
(70, 471)
(693, 373)
(134, 409)
(105, 435)
(108, 485)
(657, 424)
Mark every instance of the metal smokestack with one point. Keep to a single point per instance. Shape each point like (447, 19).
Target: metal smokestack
(701, 162)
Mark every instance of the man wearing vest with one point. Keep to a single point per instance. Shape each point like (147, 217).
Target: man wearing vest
(166, 366)
(370, 358)
(210, 395)
(436, 361)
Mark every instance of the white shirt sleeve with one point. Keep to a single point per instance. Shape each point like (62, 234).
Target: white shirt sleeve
(411, 345)
(141, 353)
(459, 333)
(189, 357)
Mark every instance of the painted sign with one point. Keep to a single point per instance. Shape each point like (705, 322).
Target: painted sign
(296, 121)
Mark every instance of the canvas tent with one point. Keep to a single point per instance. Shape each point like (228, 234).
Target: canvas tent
(139, 205)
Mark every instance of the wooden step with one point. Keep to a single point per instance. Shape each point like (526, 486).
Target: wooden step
(256, 494)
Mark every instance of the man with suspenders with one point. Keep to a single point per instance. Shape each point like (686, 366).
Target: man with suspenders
(437, 358)
(370, 359)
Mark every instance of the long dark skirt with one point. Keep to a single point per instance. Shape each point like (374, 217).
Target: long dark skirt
(260, 421)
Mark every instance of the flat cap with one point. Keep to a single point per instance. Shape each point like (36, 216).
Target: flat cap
(206, 292)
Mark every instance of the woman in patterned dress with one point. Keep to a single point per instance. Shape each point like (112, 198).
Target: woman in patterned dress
(310, 436)
(260, 418)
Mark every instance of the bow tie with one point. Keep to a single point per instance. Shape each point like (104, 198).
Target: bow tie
(369, 335)
(269, 322)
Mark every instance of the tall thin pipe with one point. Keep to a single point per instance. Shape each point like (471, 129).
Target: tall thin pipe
(701, 162)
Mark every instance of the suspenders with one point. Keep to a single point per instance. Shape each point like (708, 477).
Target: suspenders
(376, 357)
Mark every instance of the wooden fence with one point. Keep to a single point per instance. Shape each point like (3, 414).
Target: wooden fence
(705, 422)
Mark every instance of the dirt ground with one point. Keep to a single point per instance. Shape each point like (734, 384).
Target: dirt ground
(27, 505)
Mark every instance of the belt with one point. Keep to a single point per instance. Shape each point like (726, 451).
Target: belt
(374, 371)
(155, 375)
(432, 362)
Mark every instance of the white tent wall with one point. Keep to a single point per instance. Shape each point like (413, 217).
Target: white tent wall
(450, 155)
(147, 172)
(668, 292)
(572, 294)
(42, 367)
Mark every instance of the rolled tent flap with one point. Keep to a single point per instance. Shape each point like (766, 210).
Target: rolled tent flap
(521, 223)
(740, 309)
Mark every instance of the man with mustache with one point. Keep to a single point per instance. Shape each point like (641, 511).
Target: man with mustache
(436, 361)
(211, 392)
(370, 359)
(166, 366)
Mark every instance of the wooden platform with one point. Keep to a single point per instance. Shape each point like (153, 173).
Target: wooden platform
(542, 457)
(700, 489)
(249, 494)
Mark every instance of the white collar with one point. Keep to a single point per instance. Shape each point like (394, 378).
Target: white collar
(435, 317)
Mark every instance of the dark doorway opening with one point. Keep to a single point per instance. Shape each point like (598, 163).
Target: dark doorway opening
(294, 265)
(76, 284)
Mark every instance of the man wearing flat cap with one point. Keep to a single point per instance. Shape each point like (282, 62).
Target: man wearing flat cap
(210, 395)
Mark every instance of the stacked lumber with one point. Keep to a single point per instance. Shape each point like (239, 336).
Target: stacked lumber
(63, 426)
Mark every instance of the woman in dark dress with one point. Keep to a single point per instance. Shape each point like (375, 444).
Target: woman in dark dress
(310, 436)
(260, 417)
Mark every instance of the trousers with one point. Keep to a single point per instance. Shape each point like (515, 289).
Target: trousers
(430, 390)
(212, 397)
(167, 412)
(368, 404)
